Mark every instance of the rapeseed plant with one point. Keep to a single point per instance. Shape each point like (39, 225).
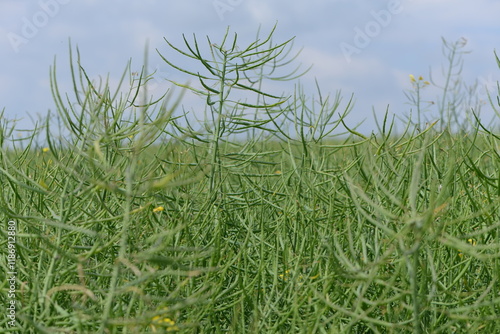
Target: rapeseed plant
(281, 233)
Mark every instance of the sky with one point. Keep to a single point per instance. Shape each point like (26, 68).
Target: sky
(364, 48)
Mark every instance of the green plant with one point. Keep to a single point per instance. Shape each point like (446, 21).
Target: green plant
(124, 227)
(229, 68)
(456, 98)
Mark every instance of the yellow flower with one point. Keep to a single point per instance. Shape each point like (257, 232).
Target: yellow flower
(278, 172)
(471, 241)
(160, 320)
(420, 78)
(159, 209)
(45, 149)
(412, 78)
(163, 321)
(285, 275)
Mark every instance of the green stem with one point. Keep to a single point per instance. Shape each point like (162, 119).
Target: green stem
(417, 328)
(122, 250)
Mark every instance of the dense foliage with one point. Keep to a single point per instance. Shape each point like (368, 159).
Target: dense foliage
(133, 218)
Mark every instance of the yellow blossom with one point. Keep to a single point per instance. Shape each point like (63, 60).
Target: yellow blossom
(285, 275)
(412, 78)
(45, 149)
(471, 241)
(163, 321)
(159, 209)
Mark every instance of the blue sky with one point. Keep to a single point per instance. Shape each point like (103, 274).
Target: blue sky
(363, 47)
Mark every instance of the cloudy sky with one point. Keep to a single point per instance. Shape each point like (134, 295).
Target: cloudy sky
(363, 47)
